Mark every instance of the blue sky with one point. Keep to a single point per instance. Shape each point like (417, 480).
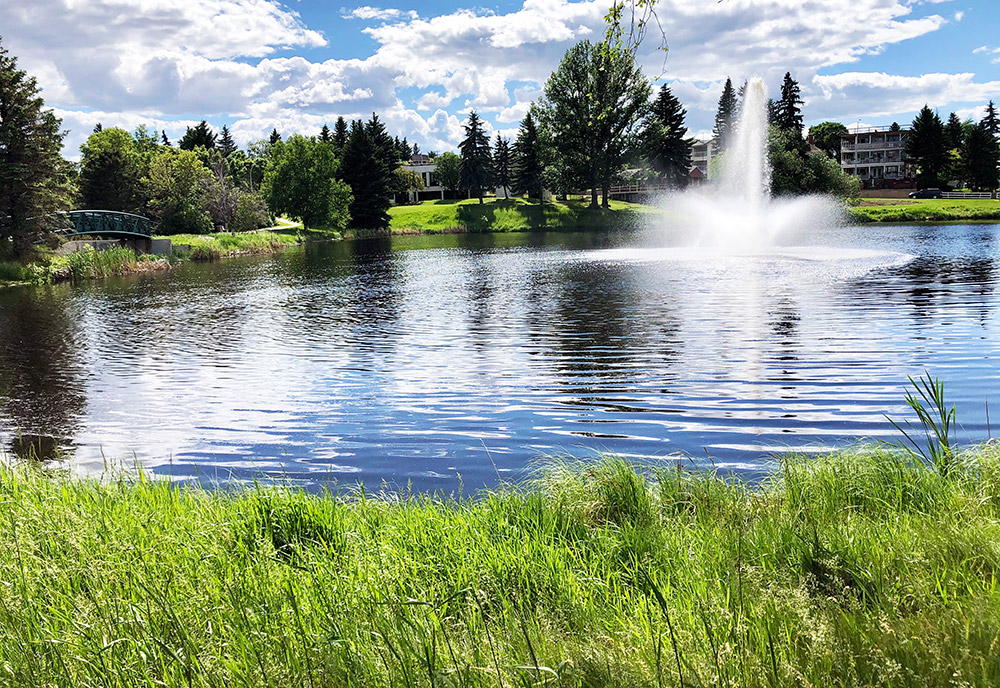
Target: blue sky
(259, 64)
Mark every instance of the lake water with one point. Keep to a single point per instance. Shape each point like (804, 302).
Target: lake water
(428, 358)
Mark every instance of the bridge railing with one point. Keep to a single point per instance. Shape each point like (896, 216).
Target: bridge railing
(105, 222)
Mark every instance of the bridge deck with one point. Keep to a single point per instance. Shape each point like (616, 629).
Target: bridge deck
(106, 223)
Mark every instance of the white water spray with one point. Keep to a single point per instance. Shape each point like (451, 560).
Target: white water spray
(735, 213)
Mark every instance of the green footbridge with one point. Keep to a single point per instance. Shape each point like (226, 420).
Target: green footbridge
(104, 223)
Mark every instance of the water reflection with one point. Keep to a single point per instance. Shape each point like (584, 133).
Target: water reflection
(428, 358)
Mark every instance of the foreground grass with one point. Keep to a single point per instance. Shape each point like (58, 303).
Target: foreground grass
(924, 210)
(857, 569)
(511, 215)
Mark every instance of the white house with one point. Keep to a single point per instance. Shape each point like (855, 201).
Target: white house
(425, 166)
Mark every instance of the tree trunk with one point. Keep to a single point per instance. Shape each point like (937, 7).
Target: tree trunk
(604, 197)
(593, 196)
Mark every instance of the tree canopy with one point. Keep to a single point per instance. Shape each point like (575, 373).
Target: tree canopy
(664, 146)
(33, 174)
(827, 136)
(927, 149)
(527, 173)
(725, 117)
(477, 158)
(199, 135)
(301, 181)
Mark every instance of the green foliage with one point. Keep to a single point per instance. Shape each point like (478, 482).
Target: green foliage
(787, 113)
(795, 173)
(502, 164)
(251, 212)
(91, 264)
(200, 135)
(449, 171)
(937, 422)
(991, 121)
(368, 165)
(954, 131)
(301, 181)
(226, 145)
(527, 176)
(178, 183)
(592, 109)
(33, 174)
(477, 159)
(224, 244)
(111, 172)
(980, 156)
(725, 117)
(927, 149)
(408, 181)
(926, 210)
(826, 137)
(663, 142)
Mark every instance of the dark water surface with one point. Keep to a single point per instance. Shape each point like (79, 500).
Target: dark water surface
(434, 357)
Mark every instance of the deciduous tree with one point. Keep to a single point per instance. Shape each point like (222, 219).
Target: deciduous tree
(448, 171)
(301, 181)
(111, 172)
(827, 136)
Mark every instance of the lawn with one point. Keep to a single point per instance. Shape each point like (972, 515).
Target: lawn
(924, 210)
(511, 215)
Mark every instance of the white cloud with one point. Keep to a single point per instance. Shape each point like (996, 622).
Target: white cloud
(367, 12)
(223, 59)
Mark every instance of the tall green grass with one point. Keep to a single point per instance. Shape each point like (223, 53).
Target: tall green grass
(223, 244)
(861, 568)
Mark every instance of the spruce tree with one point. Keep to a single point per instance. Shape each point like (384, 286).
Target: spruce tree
(953, 130)
(725, 117)
(664, 146)
(404, 151)
(340, 134)
(32, 171)
(788, 114)
(225, 144)
(368, 165)
(275, 137)
(501, 164)
(111, 172)
(163, 138)
(325, 135)
(991, 121)
(980, 158)
(199, 135)
(416, 150)
(527, 173)
(927, 148)
(477, 170)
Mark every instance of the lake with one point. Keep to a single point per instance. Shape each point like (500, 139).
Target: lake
(453, 361)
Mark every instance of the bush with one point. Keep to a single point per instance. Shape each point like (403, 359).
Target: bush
(251, 213)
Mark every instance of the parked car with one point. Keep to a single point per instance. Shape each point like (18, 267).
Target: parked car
(926, 193)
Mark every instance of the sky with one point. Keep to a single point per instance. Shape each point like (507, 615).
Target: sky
(424, 65)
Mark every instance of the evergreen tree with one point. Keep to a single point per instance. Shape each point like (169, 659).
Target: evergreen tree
(416, 150)
(32, 170)
(664, 146)
(788, 114)
(368, 165)
(953, 130)
(725, 117)
(927, 149)
(477, 164)
(199, 135)
(340, 135)
(111, 172)
(980, 158)
(164, 139)
(527, 163)
(275, 137)
(325, 135)
(894, 126)
(97, 127)
(225, 143)
(501, 164)
(404, 150)
(991, 121)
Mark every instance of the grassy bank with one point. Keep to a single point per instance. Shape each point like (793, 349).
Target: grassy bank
(512, 215)
(858, 569)
(225, 244)
(88, 264)
(924, 210)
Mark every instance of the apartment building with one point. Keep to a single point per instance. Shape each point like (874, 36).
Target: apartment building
(702, 153)
(877, 157)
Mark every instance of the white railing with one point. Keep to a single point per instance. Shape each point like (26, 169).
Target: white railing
(981, 195)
